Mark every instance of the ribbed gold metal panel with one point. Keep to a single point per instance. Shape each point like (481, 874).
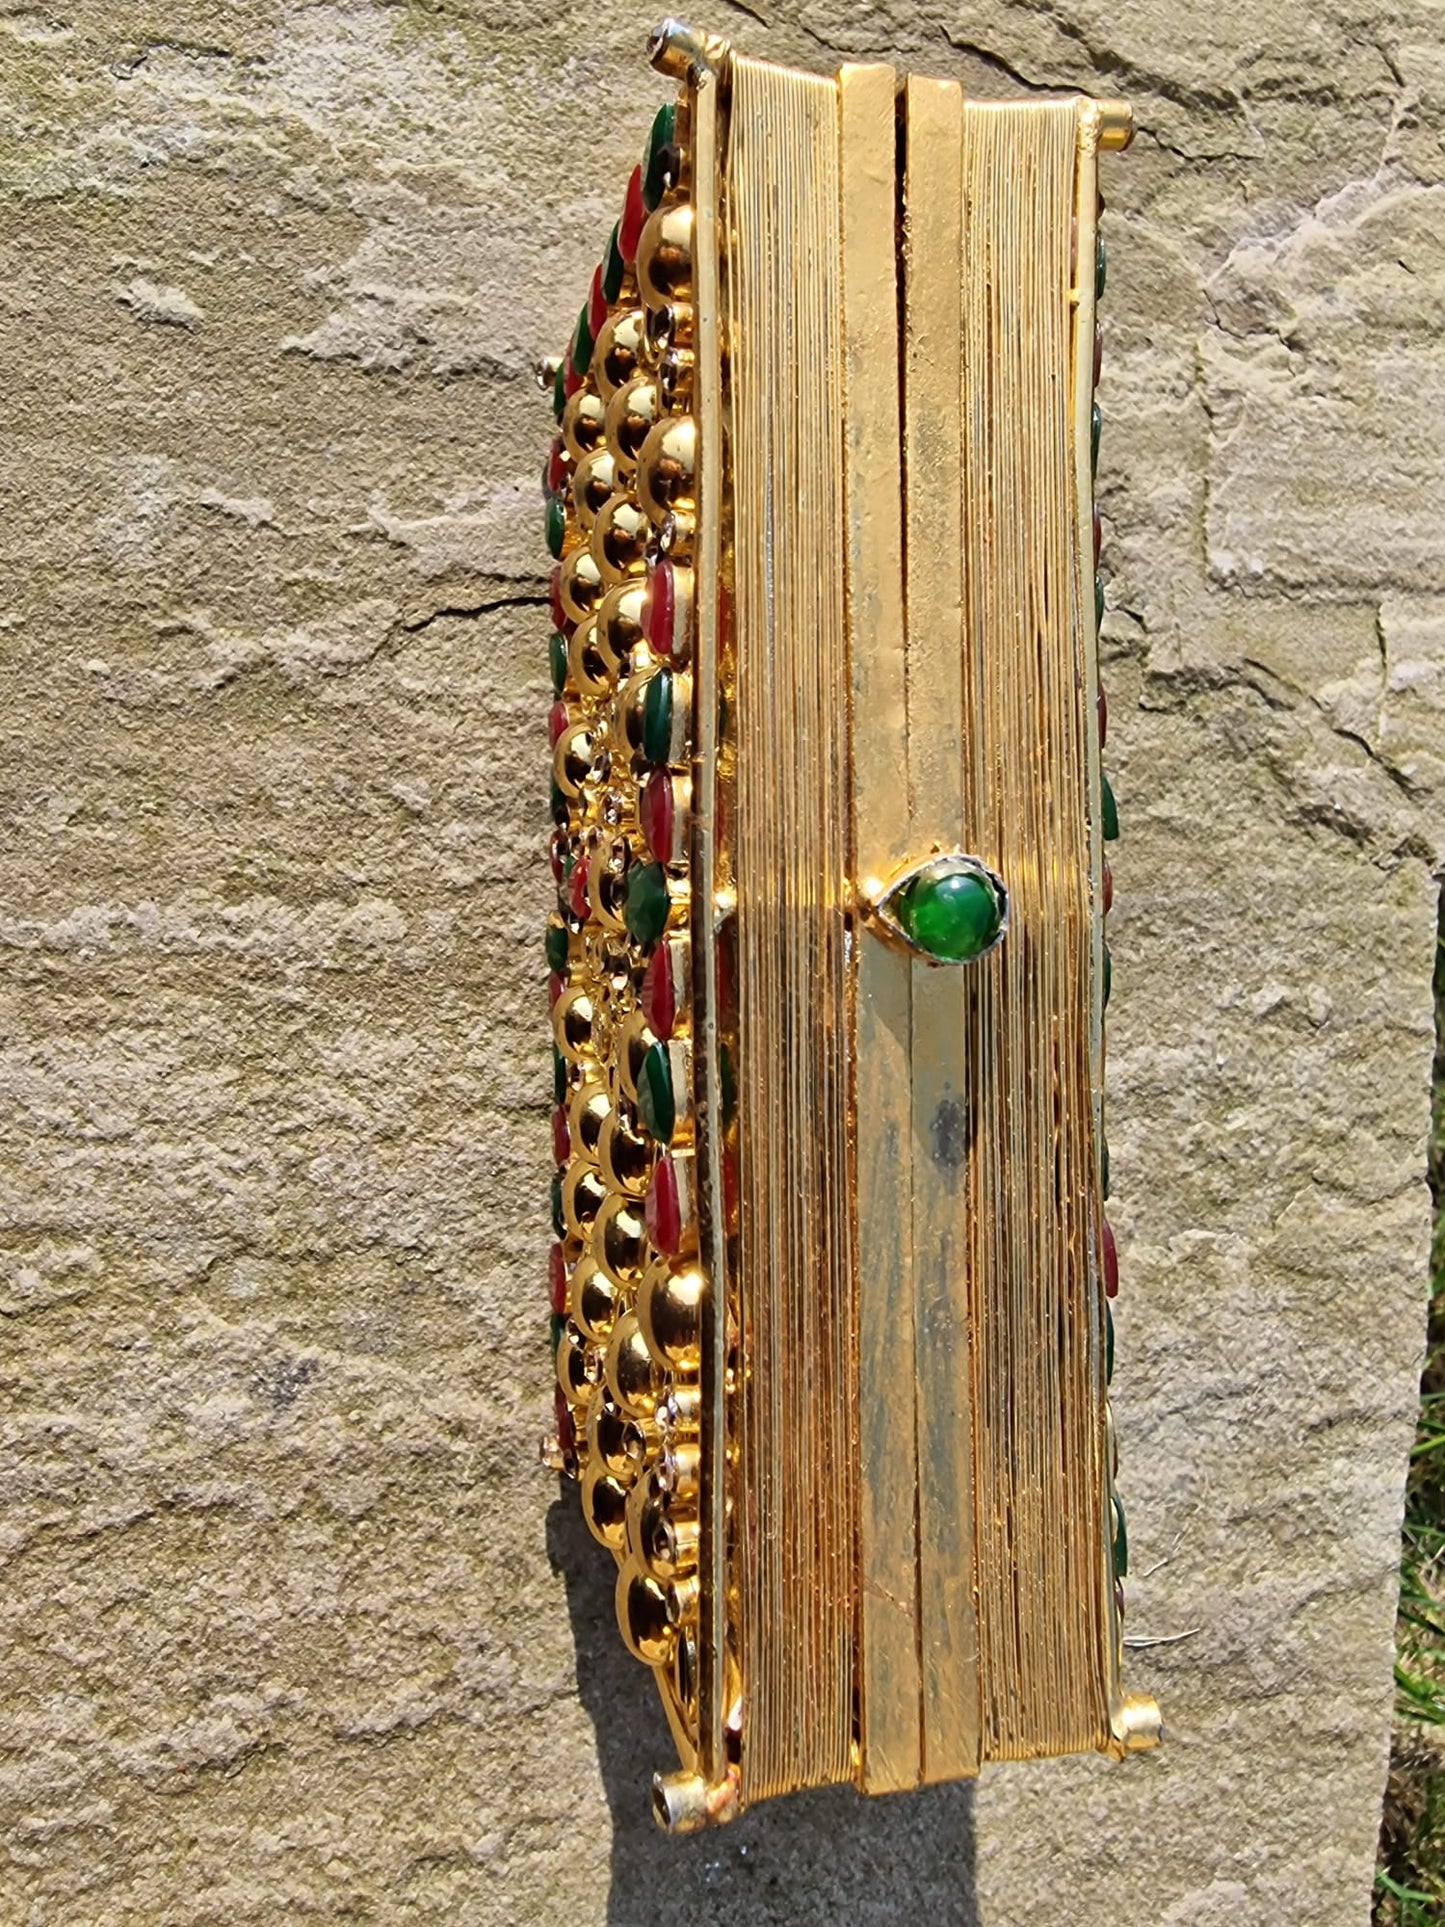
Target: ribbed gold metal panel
(889, 1682)
(935, 236)
(1032, 1207)
(795, 1536)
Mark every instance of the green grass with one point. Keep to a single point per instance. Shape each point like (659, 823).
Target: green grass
(1410, 1876)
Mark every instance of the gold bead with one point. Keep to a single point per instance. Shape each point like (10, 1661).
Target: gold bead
(667, 466)
(586, 664)
(587, 1111)
(679, 1415)
(617, 355)
(620, 536)
(579, 1365)
(620, 1443)
(676, 366)
(592, 1299)
(620, 1240)
(651, 1614)
(669, 1312)
(630, 415)
(592, 484)
(584, 423)
(576, 1026)
(619, 622)
(629, 1371)
(624, 1154)
(668, 329)
(680, 1467)
(579, 584)
(610, 958)
(662, 1534)
(575, 758)
(607, 883)
(664, 255)
(583, 1195)
(604, 1505)
(634, 1041)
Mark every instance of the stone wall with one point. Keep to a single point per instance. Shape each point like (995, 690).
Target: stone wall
(293, 1627)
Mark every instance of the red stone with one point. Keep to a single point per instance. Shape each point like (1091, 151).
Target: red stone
(566, 1430)
(662, 1209)
(1103, 719)
(659, 1004)
(1098, 353)
(561, 1140)
(1108, 889)
(656, 813)
(634, 213)
(1098, 534)
(730, 1188)
(596, 305)
(571, 380)
(557, 852)
(662, 610)
(1111, 1262)
(561, 621)
(556, 467)
(556, 984)
(557, 1281)
(577, 901)
(556, 722)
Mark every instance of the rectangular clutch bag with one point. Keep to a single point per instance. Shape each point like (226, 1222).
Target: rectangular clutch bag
(831, 1279)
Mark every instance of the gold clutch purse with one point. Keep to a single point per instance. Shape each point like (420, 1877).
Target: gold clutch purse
(831, 1279)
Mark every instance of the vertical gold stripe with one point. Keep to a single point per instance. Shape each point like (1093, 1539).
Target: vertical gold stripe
(1032, 1255)
(934, 243)
(796, 1535)
(888, 1660)
(1087, 219)
(702, 866)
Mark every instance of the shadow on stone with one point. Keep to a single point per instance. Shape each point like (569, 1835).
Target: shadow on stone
(823, 1857)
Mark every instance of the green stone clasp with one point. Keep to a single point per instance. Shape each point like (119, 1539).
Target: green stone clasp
(950, 908)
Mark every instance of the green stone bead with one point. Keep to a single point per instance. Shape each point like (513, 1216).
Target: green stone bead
(559, 803)
(1121, 1540)
(558, 1326)
(952, 914)
(1108, 1344)
(556, 943)
(582, 344)
(559, 1077)
(1111, 813)
(1104, 1165)
(614, 268)
(1101, 268)
(1098, 600)
(559, 1223)
(657, 717)
(559, 393)
(557, 653)
(645, 912)
(1096, 423)
(653, 182)
(556, 524)
(656, 1102)
(1108, 974)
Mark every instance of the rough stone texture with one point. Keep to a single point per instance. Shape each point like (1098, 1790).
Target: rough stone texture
(285, 1603)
